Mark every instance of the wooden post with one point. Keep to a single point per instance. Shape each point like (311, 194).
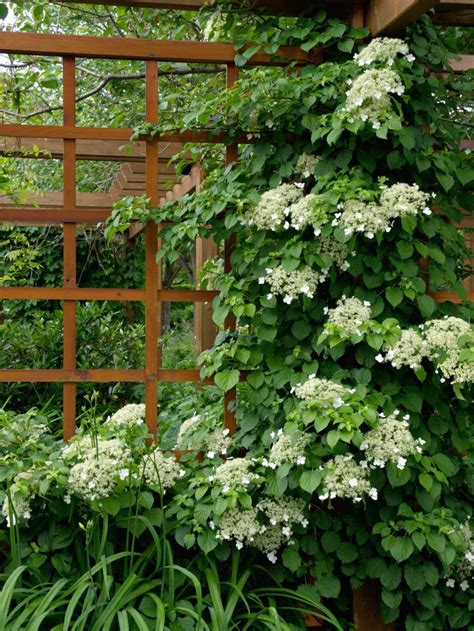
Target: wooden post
(152, 283)
(69, 248)
(366, 608)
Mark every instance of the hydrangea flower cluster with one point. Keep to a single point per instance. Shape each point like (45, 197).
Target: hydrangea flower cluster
(345, 478)
(292, 285)
(287, 448)
(269, 213)
(439, 341)
(368, 96)
(17, 505)
(383, 50)
(349, 316)
(306, 165)
(408, 351)
(336, 250)
(464, 567)
(127, 416)
(390, 441)
(396, 201)
(322, 391)
(233, 473)
(99, 469)
(195, 433)
(161, 471)
(266, 527)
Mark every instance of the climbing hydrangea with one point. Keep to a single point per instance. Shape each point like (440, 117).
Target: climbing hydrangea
(321, 391)
(383, 50)
(365, 217)
(390, 441)
(129, 415)
(345, 478)
(160, 470)
(99, 470)
(336, 250)
(368, 96)
(349, 315)
(408, 351)
(403, 199)
(269, 213)
(306, 165)
(287, 448)
(196, 433)
(232, 473)
(292, 285)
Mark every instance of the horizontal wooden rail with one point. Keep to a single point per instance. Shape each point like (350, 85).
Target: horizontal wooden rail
(95, 375)
(93, 293)
(450, 296)
(40, 216)
(83, 46)
(15, 130)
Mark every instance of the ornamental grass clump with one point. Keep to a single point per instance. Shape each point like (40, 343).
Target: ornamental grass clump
(269, 213)
(390, 441)
(292, 285)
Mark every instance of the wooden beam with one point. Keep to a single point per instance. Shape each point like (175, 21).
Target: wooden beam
(386, 17)
(107, 295)
(454, 13)
(52, 216)
(83, 46)
(466, 62)
(110, 150)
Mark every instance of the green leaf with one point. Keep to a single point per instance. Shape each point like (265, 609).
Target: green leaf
(401, 549)
(419, 540)
(346, 45)
(447, 466)
(291, 559)
(347, 552)
(3, 11)
(207, 541)
(391, 577)
(396, 476)
(309, 480)
(426, 481)
(430, 572)
(405, 249)
(414, 577)
(330, 541)
(445, 180)
(227, 379)
(111, 505)
(426, 304)
(392, 599)
(301, 329)
(436, 541)
(394, 295)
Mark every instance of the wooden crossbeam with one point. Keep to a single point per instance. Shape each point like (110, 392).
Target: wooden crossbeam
(454, 13)
(110, 150)
(84, 46)
(386, 17)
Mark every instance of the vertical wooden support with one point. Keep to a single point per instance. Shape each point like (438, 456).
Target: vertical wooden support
(366, 608)
(69, 248)
(231, 155)
(358, 16)
(151, 244)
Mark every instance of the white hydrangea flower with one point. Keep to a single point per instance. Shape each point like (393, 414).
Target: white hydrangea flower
(367, 218)
(306, 165)
(336, 250)
(442, 338)
(288, 448)
(403, 199)
(321, 391)
(128, 415)
(269, 213)
(390, 441)
(160, 470)
(368, 97)
(349, 315)
(383, 50)
(345, 478)
(292, 285)
(408, 351)
(233, 472)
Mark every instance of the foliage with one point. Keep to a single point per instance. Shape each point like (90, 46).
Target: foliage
(106, 556)
(323, 288)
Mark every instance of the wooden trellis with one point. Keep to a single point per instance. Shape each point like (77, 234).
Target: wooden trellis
(70, 215)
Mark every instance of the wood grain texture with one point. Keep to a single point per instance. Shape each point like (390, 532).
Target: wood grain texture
(84, 46)
(387, 17)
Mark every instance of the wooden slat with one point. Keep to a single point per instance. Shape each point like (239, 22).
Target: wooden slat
(70, 377)
(151, 250)
(284, 7)
(385, 17)
(55, 198)
(106, 294)
(48, 216)
(454, 13)
(466, 62)
(450, 296)
(15, 130)
(69, 253)
(159, 50)
(231, 155)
